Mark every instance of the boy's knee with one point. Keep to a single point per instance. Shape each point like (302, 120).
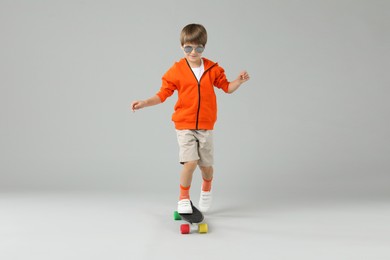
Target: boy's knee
(191, 165)
(206, 169)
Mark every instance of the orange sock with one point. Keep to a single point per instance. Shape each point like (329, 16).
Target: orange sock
(184, 192)
(206, 185)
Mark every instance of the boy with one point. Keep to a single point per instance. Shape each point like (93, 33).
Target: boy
(195, 113)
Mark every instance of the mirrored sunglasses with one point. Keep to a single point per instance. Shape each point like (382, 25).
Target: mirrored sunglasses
(198, 49)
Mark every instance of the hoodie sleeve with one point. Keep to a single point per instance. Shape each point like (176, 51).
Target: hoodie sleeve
(168, 86)
(220, 79)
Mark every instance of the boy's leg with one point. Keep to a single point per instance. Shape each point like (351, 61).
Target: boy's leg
(189, 157)
(186, 178)
(207, 176)
(184, 204)
(206, 154)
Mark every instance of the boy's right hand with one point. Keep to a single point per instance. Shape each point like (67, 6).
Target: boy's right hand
(145, 103)
(137, 105)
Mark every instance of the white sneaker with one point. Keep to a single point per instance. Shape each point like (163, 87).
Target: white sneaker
(205, 200)
(184, 207)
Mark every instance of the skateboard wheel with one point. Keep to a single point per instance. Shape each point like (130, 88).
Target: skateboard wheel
(202, 228)
(185, 228)
(176, 216)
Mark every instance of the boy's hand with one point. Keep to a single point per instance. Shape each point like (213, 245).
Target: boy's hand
(243, 77)
(137, 105)
(145, 103)
(235, 84)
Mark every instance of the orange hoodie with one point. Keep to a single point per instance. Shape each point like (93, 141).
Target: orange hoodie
(196, 107)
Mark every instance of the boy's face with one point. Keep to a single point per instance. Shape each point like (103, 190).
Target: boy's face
(193, 52)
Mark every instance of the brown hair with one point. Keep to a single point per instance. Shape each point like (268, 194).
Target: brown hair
(193, 33)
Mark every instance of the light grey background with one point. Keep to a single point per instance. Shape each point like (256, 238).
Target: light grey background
(312, 124)
(313, 118)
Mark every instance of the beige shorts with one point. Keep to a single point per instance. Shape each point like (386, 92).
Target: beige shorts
(196, 145)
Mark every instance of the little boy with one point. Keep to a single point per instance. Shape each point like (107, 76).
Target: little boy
(195, 112)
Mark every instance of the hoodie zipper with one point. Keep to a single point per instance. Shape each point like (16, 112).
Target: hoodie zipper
(198, 81)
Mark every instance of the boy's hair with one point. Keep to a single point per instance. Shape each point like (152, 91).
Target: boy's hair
(193, 33)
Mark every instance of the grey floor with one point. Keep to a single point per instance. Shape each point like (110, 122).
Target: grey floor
(81, 225)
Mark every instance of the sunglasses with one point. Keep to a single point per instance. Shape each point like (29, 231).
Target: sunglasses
(198, 49)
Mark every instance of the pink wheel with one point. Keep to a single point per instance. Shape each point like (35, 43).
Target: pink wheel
(185, 228)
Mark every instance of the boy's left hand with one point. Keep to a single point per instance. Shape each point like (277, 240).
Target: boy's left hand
(243, 77)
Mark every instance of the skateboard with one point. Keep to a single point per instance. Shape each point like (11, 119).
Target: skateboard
(194, 220)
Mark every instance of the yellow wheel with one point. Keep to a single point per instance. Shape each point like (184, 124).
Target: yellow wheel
(202, 228)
